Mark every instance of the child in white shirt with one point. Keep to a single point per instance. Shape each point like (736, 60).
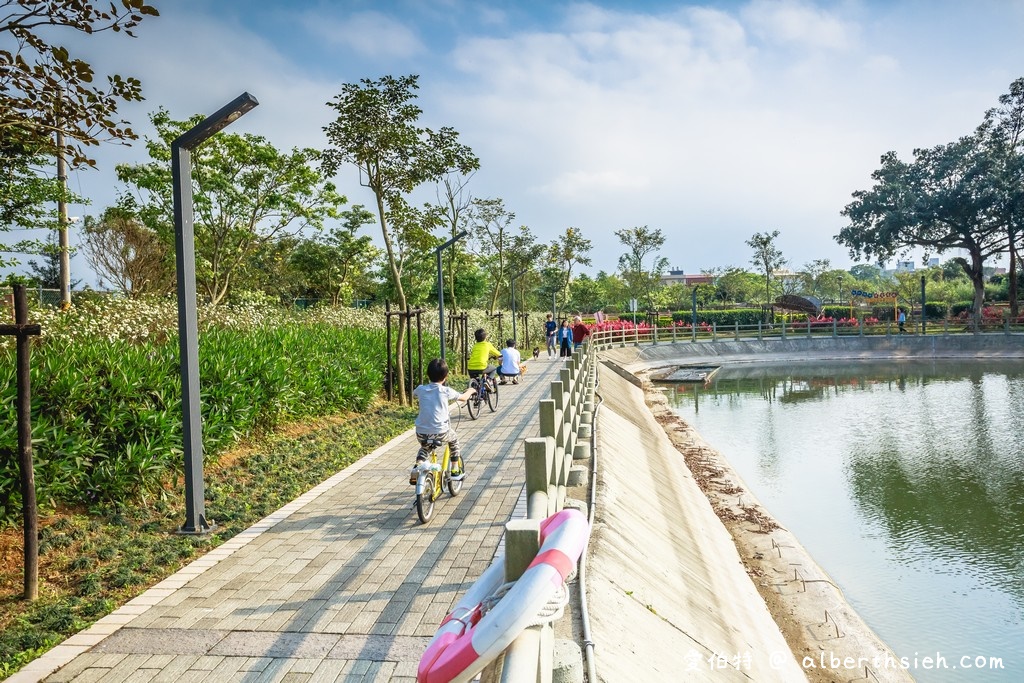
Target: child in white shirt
(510, 363)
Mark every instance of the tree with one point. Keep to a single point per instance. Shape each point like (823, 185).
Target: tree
(523, 253)
(123, 251)
(414, 245)
(945, 199)
(46, 274)
(247, 194)
(26, 198)
(452, 208)
(566, 252)
(335, 265)
(611, 292)
(1004, 131)
(25, 192)
(639, 242)
(871, 274)
(490, 221)
(734, 284)
(46, 92)
(585, 294)
(377, 131)
(767, 258)
(813, 278)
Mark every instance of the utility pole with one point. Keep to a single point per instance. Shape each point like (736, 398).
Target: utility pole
(62, 228)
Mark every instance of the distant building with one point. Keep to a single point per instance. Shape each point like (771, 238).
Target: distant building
(933, 262)
(676, 276)
(904, 266)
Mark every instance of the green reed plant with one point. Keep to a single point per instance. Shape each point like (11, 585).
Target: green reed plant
(107, 412)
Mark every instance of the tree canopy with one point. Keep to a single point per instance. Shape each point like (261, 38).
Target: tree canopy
(641, 242)
(45, 90)
(247, 193)
(945, 199)
(767, 257)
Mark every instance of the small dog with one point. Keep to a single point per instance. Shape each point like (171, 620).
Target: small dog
(536, 352)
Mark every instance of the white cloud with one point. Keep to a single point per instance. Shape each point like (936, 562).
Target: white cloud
(368, 34)
(707, 121)
(797, 23)
(575, 186)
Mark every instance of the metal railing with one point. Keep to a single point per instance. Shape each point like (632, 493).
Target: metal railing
(610, 334)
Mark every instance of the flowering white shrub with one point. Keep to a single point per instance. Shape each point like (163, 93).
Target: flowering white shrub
(155, 318)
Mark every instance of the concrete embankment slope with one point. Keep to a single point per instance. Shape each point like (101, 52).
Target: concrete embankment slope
(670, 597)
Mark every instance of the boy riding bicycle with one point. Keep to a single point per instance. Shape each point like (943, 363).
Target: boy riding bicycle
(482, 352)
(433, 423)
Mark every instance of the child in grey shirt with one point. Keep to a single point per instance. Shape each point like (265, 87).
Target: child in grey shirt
(433, 423)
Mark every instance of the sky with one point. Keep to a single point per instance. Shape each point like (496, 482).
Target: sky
(710, 121)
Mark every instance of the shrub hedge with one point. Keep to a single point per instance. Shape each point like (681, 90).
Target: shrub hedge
(107, 413)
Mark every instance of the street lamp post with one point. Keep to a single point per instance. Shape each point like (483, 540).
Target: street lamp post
(440, 285)
(514, 278)
(188, 334)
(922, 306)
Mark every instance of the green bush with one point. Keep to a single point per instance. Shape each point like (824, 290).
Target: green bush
(107, 413)
(721, 318)
(935, 310)
(961, 307)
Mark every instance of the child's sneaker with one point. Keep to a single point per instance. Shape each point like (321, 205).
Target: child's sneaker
(457, 473)
(414, 473)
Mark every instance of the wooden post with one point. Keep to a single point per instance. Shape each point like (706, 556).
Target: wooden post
(389, 379)
(21, 330)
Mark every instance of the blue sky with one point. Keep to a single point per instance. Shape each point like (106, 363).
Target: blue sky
(710, 121)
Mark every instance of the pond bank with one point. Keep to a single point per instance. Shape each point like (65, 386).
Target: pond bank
(686, 557)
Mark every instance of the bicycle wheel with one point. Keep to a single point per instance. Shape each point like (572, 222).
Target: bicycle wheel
(454, 485)
(492, 396)
(425, 500)
(473, 404)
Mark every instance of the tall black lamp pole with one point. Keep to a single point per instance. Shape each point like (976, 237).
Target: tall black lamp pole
(188, 327)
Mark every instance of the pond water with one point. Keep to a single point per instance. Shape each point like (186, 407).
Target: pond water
(905, 482)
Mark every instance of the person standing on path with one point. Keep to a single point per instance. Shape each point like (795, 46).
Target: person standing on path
(565, 339)
(550, 327)
(579, 332)
(901, 320)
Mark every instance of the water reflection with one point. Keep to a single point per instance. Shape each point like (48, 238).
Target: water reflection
(904, 480)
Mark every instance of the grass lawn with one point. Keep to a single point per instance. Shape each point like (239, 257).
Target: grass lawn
(93, 561)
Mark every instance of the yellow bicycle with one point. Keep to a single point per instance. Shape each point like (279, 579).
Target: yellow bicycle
(431, 477)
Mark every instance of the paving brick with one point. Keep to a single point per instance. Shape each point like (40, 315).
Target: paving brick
(348, 571)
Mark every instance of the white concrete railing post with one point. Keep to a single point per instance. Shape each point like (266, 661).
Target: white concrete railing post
(525, 659)
(530, 658)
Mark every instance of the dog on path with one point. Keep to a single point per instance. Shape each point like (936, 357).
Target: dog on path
(536, 352)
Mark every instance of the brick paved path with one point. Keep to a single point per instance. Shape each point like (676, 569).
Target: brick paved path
(343, 584)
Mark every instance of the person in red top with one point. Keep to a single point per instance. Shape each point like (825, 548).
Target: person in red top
(579, 332)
